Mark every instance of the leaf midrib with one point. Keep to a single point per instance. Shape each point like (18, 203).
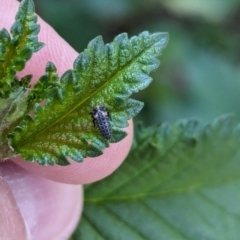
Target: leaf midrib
(159, 193)
(139, 173)
(90, 96)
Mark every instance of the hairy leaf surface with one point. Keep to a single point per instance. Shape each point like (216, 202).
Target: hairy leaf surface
(179, 182)
(16, 49)
(104, 75)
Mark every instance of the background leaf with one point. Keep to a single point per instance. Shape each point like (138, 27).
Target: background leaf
(104, 75)
(199, 77)
(199, 71)
(175, 184)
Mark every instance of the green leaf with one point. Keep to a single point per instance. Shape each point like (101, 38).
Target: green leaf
(16, 51)
(12, 111)
(46, 86)
(178, 182)
(102, 75)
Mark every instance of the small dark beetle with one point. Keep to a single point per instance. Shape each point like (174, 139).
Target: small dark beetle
(101, 118)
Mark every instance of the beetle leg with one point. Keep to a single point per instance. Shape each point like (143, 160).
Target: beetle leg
(94, 122)
(108, 114)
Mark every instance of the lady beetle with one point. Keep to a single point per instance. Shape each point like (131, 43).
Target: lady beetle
(101, 118)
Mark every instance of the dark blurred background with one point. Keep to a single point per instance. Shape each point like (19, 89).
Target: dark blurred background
(199, 72)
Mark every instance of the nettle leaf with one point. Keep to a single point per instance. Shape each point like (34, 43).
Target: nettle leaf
(46, 86)
(16, 49)
(102, 75)
(178, 182)
(12, 110)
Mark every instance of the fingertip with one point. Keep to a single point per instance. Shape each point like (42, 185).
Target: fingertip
(56, 49)
(49, 210)
(63, 55)
(12, 223)
(91, 170)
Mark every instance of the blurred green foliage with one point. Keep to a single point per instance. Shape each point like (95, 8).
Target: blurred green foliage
(199, 74)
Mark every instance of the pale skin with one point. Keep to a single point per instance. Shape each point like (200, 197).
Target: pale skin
(32, 207)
